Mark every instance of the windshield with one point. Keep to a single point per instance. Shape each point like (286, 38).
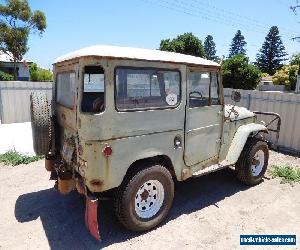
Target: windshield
(65, 89)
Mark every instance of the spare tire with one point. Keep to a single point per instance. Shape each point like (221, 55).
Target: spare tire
(40, 123)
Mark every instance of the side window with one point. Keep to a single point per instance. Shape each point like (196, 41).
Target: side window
(93, 90)
(203, 89)
(199, 89)
(214, 89)
(65, 89)
(139, 88)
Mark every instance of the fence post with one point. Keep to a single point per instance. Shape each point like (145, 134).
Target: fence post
(249, 101)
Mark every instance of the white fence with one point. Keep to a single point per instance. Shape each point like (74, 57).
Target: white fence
(287, 105)
(15, 103)
(15, 99)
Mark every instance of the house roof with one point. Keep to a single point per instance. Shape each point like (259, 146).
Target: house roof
(5, 58)
(135, 53)
(9, 58)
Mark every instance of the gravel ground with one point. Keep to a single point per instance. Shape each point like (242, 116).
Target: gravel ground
(209, 212)
(283, 159)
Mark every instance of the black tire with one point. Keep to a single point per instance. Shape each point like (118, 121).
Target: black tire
(40, 123)
(243, 167)
(125, 199)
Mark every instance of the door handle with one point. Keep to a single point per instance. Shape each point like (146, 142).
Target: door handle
(177, 141)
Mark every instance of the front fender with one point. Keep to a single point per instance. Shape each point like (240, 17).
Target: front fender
(239, 140)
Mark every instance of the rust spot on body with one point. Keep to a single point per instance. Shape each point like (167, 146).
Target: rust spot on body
(106, 167)
(96, 182)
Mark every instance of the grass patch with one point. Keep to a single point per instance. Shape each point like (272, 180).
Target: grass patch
(287, 174)
(14, 158)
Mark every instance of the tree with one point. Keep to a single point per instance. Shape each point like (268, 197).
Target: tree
(38, 74)
(210, 49)
(287, 76)
(237, 73)
(17, 21)
(185, 44)
(295, 59)
(272, 54)
(238, 45)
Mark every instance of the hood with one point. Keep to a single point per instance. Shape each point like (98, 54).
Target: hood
(235, 113)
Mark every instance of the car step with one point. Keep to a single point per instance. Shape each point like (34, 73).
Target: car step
(208, 170)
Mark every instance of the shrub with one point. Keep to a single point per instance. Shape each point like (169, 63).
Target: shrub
(238, 73)
(286, 173)
(287, 76)
(14, 158)
(38, 74)
(5, 77)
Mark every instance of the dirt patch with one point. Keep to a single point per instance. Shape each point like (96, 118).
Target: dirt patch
(281, 159)
(209, 212)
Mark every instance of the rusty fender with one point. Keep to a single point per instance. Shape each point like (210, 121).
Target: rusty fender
(239, 140)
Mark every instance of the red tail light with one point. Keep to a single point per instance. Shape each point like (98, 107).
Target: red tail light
(107, 151)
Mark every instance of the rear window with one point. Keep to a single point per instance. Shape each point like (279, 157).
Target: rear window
(65, 89)
(140, 88)
(93, 90)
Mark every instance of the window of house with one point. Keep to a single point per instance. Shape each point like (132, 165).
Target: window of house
(93, 90)
(139, 88)
(203, 89)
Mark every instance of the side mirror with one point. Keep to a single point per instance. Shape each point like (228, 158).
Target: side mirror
(236, 96)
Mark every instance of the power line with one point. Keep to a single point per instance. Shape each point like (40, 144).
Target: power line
(198, 13)
(206, 13)
(242, 17)
(224, 17)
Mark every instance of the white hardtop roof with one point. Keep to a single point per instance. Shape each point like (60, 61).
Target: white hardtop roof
(135, 53)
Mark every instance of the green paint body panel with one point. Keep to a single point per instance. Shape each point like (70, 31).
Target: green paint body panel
(206, 136)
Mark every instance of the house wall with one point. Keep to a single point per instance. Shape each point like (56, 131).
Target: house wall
(272, 88)
(23, 70)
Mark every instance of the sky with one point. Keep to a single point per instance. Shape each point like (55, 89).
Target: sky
(74, 24)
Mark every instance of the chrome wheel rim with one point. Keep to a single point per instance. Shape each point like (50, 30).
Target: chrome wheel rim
(258, 162)
(149, 199)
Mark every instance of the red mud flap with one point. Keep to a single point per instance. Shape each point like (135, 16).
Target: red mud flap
(91, 220)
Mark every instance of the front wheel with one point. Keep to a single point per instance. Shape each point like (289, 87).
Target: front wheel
(145, 198)
(253, 161)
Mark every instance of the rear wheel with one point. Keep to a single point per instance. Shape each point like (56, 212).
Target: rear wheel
(145, 198)
(40, 123)
(253, 161)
